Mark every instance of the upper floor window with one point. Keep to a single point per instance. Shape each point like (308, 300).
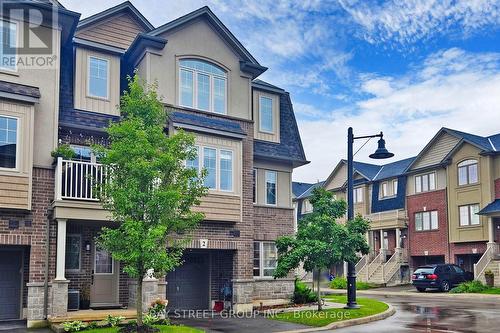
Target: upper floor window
(424, 183)
(8, 142)
(358, 195)
(426, 221)
(389, 188)
(8, 43)
(385, 191)
(395, 187)
(467, 172)
(219, 166)
(202, 85)
(98, 77)
(308, 207)
(271, 180)
(266, 114)
(468, 215)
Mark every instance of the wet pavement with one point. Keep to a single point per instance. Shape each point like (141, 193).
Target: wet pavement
(435, 315)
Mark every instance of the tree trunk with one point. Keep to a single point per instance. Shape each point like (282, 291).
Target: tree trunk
(138, 301)
(320, 307)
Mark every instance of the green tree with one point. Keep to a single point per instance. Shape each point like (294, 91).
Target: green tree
(321, 241)
(148, 189)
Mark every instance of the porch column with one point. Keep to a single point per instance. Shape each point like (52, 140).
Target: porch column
(382, 240)
(61, 249)
(398, 238)
(491, 230)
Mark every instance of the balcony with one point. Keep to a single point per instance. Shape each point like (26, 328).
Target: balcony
(76, 193)
(388, 219)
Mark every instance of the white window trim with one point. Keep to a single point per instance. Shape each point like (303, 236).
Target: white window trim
(201, 157)
(469, 218)
(211, 76)
(219, 160)
(112, 264)
(272, 131)
(275, 187)
(7, 70)
(467, 166)
(261, 275)
(107, 78)
(356, 199)
(18, 135)
(430, 220)
(79, 255)
(428, 182)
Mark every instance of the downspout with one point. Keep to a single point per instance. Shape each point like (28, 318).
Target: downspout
(46, 273)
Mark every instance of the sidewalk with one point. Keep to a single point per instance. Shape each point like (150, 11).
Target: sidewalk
(409, 290)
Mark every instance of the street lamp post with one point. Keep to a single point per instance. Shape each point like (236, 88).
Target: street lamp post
(380, 153)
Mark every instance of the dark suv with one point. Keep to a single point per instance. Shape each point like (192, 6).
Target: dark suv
(439, 276)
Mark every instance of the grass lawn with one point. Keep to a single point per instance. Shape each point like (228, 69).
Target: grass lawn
(163, 329)
(491, 291)
(314, 318)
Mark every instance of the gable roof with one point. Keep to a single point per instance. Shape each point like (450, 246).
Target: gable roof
(298, 188)
(308, 192)
(127, 7)
(394, 169)
(248, 63)
(260, 84)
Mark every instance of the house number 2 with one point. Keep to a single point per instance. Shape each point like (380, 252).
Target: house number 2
(203, 243)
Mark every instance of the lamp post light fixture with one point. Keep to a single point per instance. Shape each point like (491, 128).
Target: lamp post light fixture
(380, 153)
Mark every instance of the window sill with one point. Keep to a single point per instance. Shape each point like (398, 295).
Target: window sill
(467, 185)
(103, 99)
(9, 72)
(388, 197)
(272, 206)
(474, 226)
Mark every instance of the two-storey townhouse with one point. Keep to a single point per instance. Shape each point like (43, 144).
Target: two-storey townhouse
(247, 139)
(33, 34)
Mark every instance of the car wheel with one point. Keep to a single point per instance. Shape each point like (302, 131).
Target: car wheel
(445, 286)
(421, 289)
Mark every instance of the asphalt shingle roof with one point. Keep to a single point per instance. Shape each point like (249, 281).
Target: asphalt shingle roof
(308, 192)
(493, 207)
(290, 146)
(206, 121)
(299, 188)
(394, 169)
(19, 89)
(480, 141)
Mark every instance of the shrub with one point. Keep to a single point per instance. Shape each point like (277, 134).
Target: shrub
(114, 321)
(489, 273)
(157, 308)
(341, 283)
(92, 325)
(73, 326)
(303, 294)
(65, 151)
(469, 287)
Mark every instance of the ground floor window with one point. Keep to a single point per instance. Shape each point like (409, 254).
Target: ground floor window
(265, 259)
(73, 250)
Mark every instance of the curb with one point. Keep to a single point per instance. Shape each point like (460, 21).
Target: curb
(448, 296)
(351, 322)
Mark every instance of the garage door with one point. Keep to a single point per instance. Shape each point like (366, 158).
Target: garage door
(10, 284)
(187, 285)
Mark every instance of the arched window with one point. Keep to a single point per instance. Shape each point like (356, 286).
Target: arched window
(202, 85)
(467, 172)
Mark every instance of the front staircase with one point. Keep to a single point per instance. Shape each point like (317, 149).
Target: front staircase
(490, 260)
(378, 270)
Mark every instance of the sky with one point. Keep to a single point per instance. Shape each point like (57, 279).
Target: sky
(406, 68)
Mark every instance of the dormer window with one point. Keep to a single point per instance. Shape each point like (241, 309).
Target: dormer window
(266, 114)
(467, 172)
(98, 80)
(202, 86)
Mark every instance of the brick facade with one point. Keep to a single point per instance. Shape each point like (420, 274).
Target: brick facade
(26, 230)
(435, 242)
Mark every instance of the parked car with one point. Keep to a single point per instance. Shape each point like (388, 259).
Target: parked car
(439, 276)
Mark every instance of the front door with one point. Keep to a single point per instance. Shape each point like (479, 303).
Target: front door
(10, 284)
(105, 272)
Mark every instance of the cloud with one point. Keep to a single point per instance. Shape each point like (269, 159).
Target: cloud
(450, 88)
(405, 22)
